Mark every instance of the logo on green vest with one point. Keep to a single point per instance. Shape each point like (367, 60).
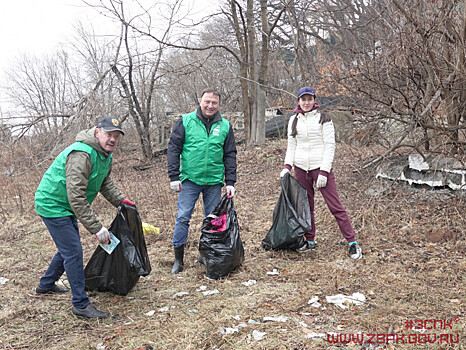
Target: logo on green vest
(216, 131)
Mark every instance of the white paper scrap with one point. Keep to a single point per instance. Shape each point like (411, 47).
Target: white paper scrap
(228, 330)
(210, 292)
(339, 299)
(275, 319)
(249, 283)
(258, 335)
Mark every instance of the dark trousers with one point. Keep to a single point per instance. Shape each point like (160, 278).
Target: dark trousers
(69, 258)
(330, 194)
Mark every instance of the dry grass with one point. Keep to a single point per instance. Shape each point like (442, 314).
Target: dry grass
(413, 267)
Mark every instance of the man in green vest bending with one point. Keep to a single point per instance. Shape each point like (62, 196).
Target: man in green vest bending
(65, 194)
(201, 154)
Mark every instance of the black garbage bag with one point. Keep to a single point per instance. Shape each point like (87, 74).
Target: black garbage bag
(220, 247)
(119, 271)
(291, 217)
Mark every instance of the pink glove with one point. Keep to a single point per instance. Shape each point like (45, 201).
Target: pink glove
(127, 201)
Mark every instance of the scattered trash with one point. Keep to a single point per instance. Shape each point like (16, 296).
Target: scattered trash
(180, 294)
(150, 313)
(163, 309)
(149, 229)
(3, 280)
(275, 319)
(314, 302)
(100, 346)
(249, 283)
(258, 335)
(236, 317)
(228, 330)
(420, 330)
(253, 322)
(342, 301)
(315, 335)
(210, 292)
(201, 288)
(273, 272)
(193, 310)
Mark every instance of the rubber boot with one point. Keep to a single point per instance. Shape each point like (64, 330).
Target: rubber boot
(178, 265)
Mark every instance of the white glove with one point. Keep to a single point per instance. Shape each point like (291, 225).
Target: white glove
(321, 181)
(284, 171)
(103, 235)
(230, 191)
(175, 186)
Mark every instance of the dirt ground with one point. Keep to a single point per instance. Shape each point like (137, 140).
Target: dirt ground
(412, 274)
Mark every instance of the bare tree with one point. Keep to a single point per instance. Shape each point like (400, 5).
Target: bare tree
(401, 62)
(43, 90)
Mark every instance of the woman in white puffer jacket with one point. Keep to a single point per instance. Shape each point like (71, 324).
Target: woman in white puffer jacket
(311, 148)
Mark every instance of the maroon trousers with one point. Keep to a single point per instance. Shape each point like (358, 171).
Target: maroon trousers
(329, 192)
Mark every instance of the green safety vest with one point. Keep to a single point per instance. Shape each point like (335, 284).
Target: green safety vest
(201, 160)
(51, 200)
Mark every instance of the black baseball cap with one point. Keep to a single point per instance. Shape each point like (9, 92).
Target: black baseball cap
(109, 123)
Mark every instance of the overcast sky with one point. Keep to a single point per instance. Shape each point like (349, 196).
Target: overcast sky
(38, 27)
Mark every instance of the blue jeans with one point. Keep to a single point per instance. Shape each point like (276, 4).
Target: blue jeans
(69, 257)
(187, 199)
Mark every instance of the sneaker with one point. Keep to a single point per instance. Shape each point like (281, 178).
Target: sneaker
(355, 251)
(306, 247)
(90, 312)
(55, 290)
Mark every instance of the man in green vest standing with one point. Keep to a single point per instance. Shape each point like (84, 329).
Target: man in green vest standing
(65, 194)
(201, 156)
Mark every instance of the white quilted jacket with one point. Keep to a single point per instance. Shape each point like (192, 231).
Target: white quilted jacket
(314, 145)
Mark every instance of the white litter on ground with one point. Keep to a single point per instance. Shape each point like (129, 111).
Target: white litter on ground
(249, 283)
(3, 280)
(314, 302)
(180, 294)
(228, 330)
(315, 335)
(201, 288)
(275, 319)
(340, 300)
(258, 335)
(150, 313)
(210, 292)
(273, 272)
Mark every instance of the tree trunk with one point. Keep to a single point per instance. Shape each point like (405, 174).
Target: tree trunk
(251, 43)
